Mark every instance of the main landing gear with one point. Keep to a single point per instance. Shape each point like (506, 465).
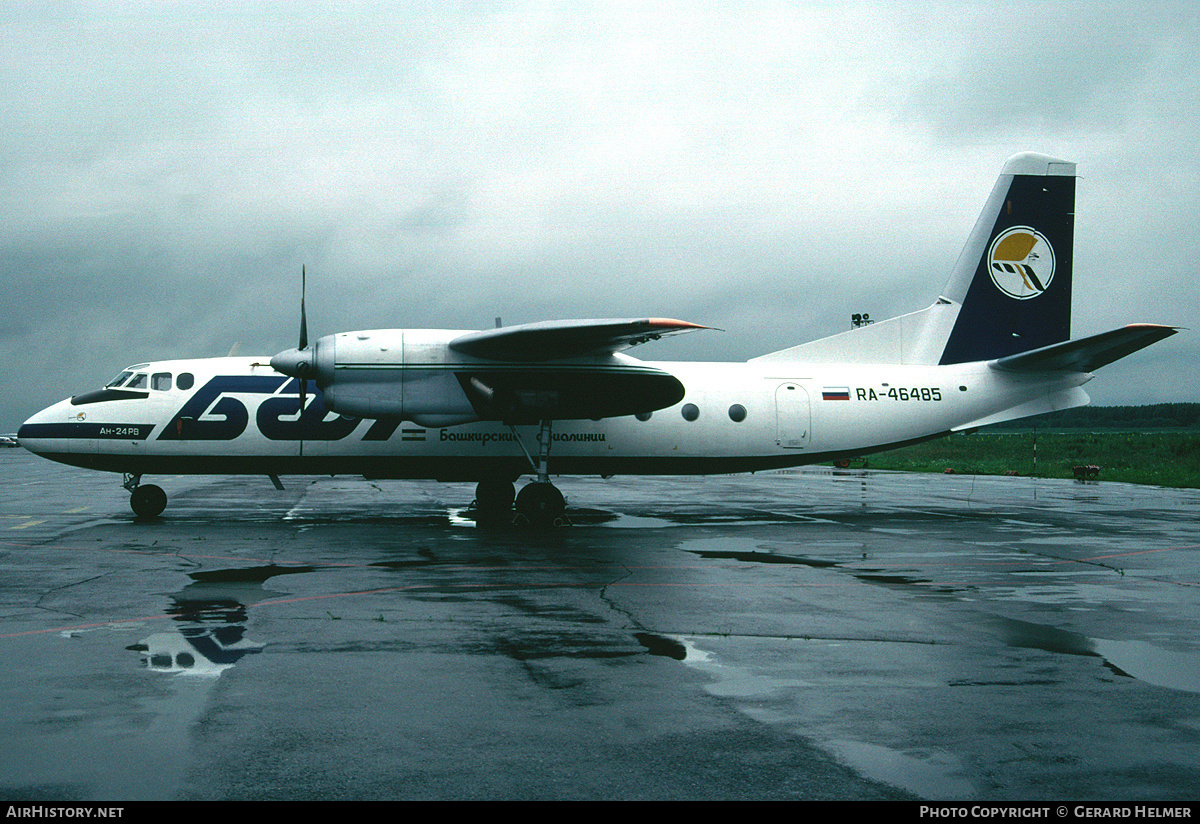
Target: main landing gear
(539, 502)
(146, 500)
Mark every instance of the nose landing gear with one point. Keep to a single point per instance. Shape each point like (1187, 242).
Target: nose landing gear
(146, 500)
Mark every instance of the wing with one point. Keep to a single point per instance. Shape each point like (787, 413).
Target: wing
(542, 389)
(566, 339)
(1086, 354)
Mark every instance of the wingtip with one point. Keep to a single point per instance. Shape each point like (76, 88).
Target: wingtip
(679, 325)
(1161, 328)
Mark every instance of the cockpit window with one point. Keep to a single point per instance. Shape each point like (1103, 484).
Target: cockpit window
(185, 380)
(138, 381)
(118, 380)
(161, 381)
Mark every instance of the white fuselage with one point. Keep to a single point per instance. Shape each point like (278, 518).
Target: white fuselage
(239, 416)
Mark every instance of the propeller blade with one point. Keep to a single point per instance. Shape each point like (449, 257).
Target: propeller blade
(303, 314)
(298, 363)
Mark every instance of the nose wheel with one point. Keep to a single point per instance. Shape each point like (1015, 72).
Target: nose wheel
(146, 500)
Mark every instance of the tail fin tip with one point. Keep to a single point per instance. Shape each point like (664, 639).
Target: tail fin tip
(1035, 164)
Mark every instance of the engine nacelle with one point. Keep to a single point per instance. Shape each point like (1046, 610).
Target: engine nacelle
(393, 373)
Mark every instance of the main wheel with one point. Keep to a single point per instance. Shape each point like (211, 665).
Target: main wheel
(494, 499)
(148, 501)
(540, 502)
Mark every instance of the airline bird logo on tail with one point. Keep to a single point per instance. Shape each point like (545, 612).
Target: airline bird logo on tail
(1021, 262)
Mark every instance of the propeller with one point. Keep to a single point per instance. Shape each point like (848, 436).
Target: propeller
(297, 363)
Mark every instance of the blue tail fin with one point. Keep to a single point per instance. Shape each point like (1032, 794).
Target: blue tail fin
(1013, 279)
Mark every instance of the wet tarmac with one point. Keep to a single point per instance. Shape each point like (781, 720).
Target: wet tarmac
(810, 635)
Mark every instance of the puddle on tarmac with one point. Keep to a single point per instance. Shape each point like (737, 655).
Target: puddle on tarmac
(734, 682)
(928, 774)
(661, 645)
(1146, 662)
(1173, 669)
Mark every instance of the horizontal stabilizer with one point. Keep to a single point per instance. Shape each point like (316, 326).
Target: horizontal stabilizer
(1086, 354)
(1052, 402)
(562, 339)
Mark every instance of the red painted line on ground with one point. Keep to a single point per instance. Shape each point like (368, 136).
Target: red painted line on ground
(1140, 552)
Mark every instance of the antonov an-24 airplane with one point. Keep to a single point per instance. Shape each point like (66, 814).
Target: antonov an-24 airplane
(561, 397)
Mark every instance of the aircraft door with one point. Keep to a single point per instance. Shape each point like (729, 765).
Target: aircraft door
(793, 417)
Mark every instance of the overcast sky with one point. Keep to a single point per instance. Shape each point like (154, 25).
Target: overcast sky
(767, 168)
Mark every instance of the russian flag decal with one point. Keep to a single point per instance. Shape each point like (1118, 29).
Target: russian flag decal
(835, 393)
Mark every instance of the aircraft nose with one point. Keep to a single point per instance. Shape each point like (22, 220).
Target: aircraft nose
(296, 363)
(26, 433)
(44, 430)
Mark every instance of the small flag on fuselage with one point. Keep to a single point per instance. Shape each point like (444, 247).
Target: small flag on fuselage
(835, 393)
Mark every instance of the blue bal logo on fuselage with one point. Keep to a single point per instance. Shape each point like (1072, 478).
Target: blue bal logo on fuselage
(1021, 262)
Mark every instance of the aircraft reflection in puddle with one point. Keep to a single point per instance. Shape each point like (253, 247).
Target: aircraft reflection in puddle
(206, 653)
(211, 613)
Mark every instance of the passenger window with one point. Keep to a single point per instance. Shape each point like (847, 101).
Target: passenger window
(118, 380)
(161, 381)
(137, 382)
(185, 380)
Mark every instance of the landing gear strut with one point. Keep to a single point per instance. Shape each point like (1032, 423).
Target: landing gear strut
(539, 501)
(146, 500)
